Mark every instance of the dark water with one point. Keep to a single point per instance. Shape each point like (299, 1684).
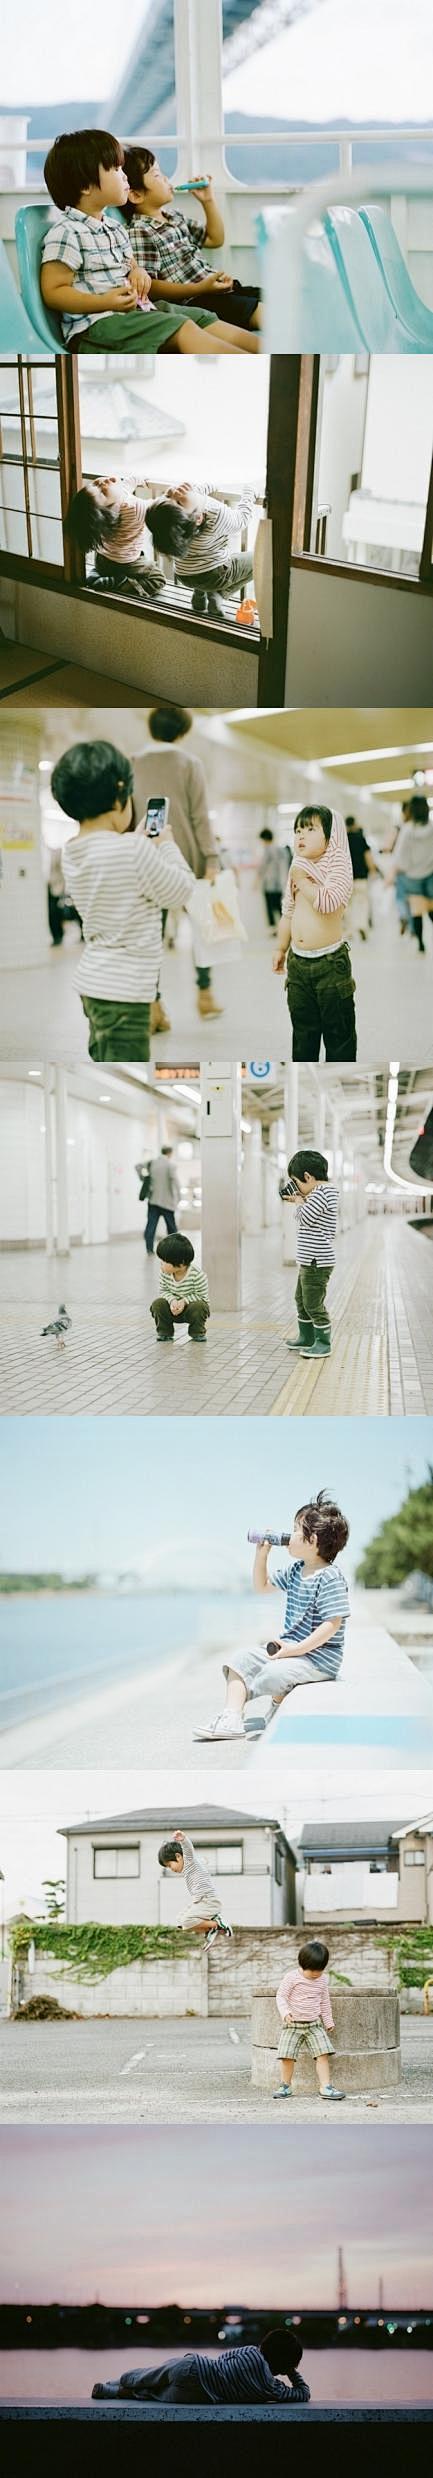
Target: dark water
(355, 2375)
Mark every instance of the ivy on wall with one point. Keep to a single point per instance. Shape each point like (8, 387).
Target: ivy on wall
(92, 1951)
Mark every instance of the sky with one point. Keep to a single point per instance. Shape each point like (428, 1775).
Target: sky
(177, 1498)
(34, 1805)
(140, 2216)
(339, 60)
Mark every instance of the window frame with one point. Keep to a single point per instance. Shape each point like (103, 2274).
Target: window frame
(113, 1875)
(28, 463)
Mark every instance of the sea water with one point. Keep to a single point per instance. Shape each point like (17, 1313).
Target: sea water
(55, 1646)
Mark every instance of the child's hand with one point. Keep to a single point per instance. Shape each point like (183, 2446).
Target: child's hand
(278, 961)
(212, 284)
(202, 187)
(176, 1306)
(143, 285)
(122, 297)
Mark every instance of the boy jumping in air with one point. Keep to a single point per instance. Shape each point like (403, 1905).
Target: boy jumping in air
(304, 2002)
(316, 1219)
(312, 1644)
(178, 1858)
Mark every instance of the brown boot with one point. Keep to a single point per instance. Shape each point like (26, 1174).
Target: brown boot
(207, 1003)
(159, 1021)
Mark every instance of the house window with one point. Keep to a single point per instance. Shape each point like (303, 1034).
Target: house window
(30, 476)
(118, 1859)
(414, 1858)
(225, 1860)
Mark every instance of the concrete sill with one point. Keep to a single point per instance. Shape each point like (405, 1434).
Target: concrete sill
(135, 2413)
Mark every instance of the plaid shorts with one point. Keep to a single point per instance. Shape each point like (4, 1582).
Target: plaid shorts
(298, 2035)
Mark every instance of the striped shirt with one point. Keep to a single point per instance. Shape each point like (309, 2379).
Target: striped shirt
(310, 1601)
(305, 2000)
(238, 2375)
(197, 1878)
(214, 540)
(168, 246)
(333, 874)
(98, 251)
(316, 1220)
(118, 884)
(193, 1285)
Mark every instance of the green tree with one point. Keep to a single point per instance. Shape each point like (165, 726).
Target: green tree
(54, 1889)
(404, 1543)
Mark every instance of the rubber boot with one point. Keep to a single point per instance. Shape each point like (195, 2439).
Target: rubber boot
(305, 1334)
(159, 1021)
(320, 1347)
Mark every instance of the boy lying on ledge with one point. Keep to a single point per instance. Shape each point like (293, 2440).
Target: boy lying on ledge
(266, 2373)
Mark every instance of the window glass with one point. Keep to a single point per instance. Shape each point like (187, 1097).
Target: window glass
(30, 509)
(373, 459)
(202, 422)
(414, 1858)
(117, 1861)
(229, 1859)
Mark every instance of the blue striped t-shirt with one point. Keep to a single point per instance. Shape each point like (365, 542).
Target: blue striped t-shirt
(310, 1601)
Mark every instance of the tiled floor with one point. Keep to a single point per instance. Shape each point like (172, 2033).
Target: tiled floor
(381, 1304)
(41, 1014)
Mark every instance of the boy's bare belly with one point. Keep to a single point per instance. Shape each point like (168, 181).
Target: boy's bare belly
(314, 930)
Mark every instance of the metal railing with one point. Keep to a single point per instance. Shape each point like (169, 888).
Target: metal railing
(346, 142)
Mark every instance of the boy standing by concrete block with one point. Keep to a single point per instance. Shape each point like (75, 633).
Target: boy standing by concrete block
(304, 2002)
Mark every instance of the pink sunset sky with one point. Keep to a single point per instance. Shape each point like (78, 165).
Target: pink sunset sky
(140, 2216)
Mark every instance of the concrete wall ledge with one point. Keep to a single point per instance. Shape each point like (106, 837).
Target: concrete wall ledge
(132, 2413)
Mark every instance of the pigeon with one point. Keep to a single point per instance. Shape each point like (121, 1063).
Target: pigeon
(59, 1327)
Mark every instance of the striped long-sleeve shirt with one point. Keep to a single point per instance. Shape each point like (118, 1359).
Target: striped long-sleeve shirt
(238, 2375)
(193, 1285)
(119, 884)
(332, 875)
(316, 1223)
(197, 1877)
(310, 1600)
(214, 541)
(305, 2000)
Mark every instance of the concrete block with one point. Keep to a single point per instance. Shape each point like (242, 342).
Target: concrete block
(366, 2037)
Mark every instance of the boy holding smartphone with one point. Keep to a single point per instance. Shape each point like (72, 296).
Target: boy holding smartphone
(119, 883)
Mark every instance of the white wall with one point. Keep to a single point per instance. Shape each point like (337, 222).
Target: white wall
(399, 427)
(22, 1151)
(250, 1899)
(354, 641)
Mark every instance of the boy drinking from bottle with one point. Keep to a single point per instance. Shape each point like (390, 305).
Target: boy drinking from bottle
(312, 1643)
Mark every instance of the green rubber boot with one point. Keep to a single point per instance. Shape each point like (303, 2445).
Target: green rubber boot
(305, 1335)
(320, 1347)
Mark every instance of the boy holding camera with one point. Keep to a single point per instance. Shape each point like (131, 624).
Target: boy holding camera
(308, 1187)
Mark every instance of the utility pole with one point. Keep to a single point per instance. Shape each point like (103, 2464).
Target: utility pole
(341, 2283)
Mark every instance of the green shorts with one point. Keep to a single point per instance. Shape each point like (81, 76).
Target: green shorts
(126, 331)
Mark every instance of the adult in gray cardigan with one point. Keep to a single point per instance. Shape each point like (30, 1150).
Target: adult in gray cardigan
(164, 1192)
(168, 768)
(265, 2374)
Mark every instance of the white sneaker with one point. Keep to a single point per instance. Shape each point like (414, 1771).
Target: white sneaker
(227, 1725)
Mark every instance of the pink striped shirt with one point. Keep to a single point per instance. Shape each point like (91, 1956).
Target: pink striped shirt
(305, 2000)
(333, 874)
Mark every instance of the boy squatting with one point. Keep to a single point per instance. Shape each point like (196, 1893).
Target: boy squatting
(317, 1603)
(184, 1296)
(178, 1858)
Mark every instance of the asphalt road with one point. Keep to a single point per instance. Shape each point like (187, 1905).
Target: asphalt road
(112, 2072)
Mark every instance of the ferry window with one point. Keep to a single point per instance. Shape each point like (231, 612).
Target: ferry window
(373, 458)
(30, 480)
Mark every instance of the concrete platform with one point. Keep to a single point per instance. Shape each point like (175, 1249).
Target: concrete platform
(379, 1703)
(132, 2414)
(366, 2040)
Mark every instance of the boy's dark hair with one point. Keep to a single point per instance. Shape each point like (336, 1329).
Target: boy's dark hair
(137, 160)
(266, 835)
(73, 163)
(419, 809)
(171, 530)
(313, 1162)
(175, 1250)
(90, 778)
(313, 1956)
(166, 1148)
(169, 1850)
(350, 821)
(314, 810)
(168, 722)
(86, 524)
(282, 2349)
(322, 1519)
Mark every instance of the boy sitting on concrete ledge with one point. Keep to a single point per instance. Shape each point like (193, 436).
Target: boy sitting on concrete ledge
(184, 1295)
(312, 1643)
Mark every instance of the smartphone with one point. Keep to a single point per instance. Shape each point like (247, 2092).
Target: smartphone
(156, 816)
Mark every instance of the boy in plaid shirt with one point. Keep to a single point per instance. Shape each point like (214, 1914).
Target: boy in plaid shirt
(168, 244)
(89, 276)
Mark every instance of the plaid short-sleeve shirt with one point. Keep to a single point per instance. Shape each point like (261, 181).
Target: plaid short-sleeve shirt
(97, 248)
(168, 246)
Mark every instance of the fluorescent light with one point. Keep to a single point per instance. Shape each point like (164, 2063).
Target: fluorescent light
(33, 1072)
(363, 757)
